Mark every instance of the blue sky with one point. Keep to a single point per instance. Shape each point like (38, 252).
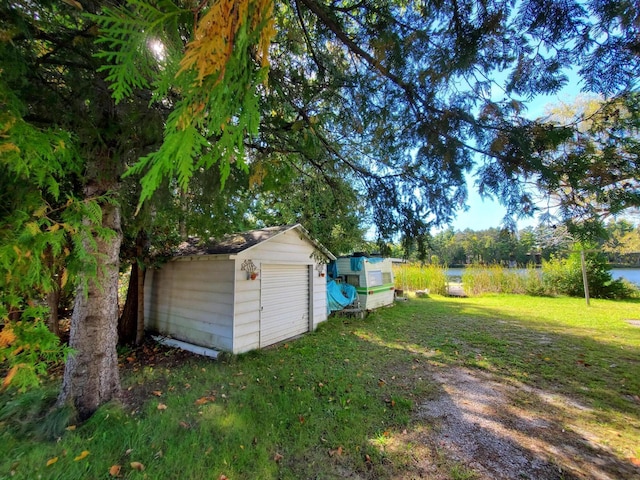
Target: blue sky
(485, 213)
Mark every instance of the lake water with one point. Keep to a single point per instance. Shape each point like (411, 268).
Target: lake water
(630, 274)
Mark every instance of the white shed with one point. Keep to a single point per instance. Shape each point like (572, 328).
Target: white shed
(244, 292)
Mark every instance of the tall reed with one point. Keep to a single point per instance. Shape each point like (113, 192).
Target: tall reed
(497, 279)
(414, 276)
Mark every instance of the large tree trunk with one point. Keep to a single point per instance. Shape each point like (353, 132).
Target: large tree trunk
(91, 375)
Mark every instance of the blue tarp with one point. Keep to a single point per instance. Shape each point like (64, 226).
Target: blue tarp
(332, 269)
(357, 262)
(339, 295)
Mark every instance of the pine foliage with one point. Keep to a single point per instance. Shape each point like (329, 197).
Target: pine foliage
(212, 86)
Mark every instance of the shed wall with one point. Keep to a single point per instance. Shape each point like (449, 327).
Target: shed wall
(192, 301)
(285, 249)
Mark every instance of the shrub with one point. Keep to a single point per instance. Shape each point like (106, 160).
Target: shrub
(563, 276)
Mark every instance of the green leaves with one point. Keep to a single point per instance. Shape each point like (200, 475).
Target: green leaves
(131, 38)
(212, 93)
(27, 348)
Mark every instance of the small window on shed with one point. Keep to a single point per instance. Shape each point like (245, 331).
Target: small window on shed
(375, 278)
(353, 280)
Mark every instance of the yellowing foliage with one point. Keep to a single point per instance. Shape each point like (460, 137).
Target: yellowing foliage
(7, 337)
(216, 31)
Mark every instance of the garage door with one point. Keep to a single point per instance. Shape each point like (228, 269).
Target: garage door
(285, 302)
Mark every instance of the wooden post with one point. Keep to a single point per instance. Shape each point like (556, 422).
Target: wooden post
(585, 282)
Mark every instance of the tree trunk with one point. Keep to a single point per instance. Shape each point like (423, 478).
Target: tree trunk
(53, 299)
(131, 322)
(140, 316)
(127, 324)
(91, 375)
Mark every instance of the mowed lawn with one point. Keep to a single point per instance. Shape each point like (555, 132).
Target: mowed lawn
(338, 402)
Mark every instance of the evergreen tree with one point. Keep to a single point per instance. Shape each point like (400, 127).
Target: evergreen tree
(396, 99)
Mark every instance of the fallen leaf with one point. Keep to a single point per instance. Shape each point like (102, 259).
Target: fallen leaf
(51, 461)
(635, 461)
(137, 466)
(70, 428)
(114, 471)
(301, 419)
(336, 452)
(84, 454)
(277, 457)
(185, 425)
(128, 452)
(203, 400)
(157, 393)
(223, 477)
(162, 406)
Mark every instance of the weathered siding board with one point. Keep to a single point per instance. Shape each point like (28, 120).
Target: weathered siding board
(191, 335)
(192, 301)
(285, 248)
(319, 299)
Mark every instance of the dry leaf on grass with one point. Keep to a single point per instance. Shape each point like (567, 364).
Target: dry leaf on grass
(114, 471)
(51, 461)
(84, 454)
(162, 406)
(336, 452)
(137, 466)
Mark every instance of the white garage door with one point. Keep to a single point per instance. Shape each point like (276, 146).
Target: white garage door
(285, 302)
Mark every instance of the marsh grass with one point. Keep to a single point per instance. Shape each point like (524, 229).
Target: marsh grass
(338, 402)
(497, 279)
(414, 276)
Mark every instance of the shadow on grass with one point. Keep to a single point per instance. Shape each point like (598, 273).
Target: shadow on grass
(529, 419)
(357, 399)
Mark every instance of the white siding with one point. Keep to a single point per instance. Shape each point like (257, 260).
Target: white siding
(246, 331)
(288, 248)
(192, 301)
(209, 300)
(319, 298)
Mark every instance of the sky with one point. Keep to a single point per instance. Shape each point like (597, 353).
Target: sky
(484, 213)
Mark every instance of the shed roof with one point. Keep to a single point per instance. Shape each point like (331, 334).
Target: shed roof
(235, 243)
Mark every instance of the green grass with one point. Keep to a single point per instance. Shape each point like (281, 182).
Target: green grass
(340, 401)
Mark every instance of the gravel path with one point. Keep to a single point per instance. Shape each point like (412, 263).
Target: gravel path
(506, 431)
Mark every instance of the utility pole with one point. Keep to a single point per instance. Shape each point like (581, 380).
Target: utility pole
(584, 276)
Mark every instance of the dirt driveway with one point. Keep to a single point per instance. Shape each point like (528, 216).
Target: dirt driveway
(478, 427)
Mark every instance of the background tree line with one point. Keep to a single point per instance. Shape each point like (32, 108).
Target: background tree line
(618, 240)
